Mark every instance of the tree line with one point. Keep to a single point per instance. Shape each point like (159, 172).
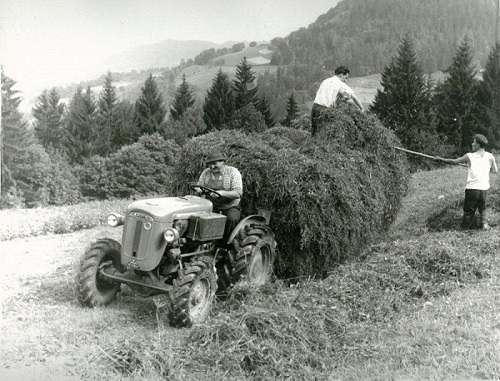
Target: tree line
(92, 130)
(440, 118)
(98, 146)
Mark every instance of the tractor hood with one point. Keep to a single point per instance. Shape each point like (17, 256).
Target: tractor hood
(168, 209)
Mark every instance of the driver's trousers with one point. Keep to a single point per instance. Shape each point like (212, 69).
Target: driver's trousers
(233, 215)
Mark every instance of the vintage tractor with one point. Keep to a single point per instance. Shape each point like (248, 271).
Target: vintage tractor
(172, 245)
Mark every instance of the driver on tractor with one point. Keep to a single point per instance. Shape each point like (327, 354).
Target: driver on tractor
(226, 180)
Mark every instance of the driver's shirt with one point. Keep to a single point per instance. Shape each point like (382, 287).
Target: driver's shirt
(229, 179)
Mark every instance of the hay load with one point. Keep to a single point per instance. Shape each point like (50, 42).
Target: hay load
(331, 193)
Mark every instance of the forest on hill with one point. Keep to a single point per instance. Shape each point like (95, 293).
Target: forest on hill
(364, 34)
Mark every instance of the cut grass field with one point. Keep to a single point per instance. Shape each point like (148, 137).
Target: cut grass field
(422, 304)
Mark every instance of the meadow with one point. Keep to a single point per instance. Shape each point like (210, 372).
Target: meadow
(422, 303)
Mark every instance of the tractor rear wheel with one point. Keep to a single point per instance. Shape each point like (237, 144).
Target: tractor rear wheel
(255, 258)
(93, 289)
(193, 294)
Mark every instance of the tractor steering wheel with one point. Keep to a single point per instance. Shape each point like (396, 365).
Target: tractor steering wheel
(206, 191)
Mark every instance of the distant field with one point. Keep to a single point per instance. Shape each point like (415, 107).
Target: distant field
(201, 77)
(365, 87)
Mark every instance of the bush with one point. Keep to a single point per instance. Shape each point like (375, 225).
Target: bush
(142, 168)
(64, 185)
(190, 124)
(331, 194)
(248, 119)
(31, 172)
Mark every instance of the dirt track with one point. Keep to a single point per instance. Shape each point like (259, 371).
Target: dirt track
(30, 272)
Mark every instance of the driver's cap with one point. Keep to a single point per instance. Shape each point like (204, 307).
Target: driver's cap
(215, 155)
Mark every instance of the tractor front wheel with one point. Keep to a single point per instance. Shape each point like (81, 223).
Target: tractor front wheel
(93, 289)
(193, 294)
(255, 258)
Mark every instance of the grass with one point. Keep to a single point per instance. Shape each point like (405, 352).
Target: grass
(422, 304)
(21, 223)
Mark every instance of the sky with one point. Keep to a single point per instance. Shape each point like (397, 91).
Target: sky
(46, 43)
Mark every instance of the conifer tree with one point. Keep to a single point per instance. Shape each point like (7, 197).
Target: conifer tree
(126, 131)
(107, 117)
(265, 108)
(48, 114)
(404, 103)
(150, 110)
(488, 99)
(245, 89)
(16, 137)
(292, 111)
(81, 126)
(218, 107)
(183, 100)
(456, 99)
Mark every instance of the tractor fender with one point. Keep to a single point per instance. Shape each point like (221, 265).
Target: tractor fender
(254, 219)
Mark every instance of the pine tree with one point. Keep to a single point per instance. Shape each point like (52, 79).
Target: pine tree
(150, 110)
(456, 99)
(265, 108)
(218, 107)
(403, 104)
(292, 111)
(245, 89)
(107, 118)
(126, 131)
(488, 99)
(16, 137)
(81, 132)
(184, 99)
(48, 114)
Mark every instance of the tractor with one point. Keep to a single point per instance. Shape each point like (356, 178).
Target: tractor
(173, 246)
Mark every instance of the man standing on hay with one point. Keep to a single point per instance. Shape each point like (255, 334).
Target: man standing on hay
(480, 164)
(226, 180)
(328, 92)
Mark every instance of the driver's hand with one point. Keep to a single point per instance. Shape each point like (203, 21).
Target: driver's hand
(196, 190)
(213, 195)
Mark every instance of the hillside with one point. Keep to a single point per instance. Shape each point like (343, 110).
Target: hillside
(362, 34)
(164, 54)
(365, 34)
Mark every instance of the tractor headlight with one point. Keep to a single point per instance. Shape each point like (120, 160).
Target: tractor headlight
(115, 219)
(171, 235)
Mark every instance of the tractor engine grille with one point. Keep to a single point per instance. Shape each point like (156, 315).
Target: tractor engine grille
(138, 234)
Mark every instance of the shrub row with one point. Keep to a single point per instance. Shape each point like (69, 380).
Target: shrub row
(142, 168)
(37, 178)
